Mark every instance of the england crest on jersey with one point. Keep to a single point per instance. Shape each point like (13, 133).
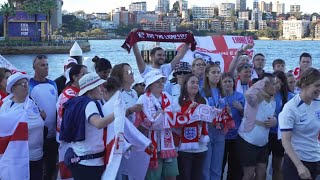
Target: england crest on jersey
(190, 133)
(318, 115)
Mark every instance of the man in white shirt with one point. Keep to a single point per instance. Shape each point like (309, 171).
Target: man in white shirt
(44, 93)
(158, 58)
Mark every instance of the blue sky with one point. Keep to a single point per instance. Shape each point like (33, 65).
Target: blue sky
(107, 5)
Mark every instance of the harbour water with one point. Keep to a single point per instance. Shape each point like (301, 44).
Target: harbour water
(111, 49)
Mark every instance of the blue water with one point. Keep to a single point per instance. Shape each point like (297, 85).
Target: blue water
(111, 49)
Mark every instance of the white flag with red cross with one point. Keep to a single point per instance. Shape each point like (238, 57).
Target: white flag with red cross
(217, 49)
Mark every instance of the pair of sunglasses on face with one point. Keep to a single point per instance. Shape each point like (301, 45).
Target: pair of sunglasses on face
(182, 73)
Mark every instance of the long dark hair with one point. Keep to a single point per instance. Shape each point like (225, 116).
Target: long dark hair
(284, 90)
(206, 84)
(184, 95)
(75, 70)
(101, 64)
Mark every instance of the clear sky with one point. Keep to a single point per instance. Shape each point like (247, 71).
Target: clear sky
(89, 6)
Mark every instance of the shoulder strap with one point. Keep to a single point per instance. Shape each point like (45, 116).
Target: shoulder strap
(99, 108)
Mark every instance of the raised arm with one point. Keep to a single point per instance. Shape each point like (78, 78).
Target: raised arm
(236, 59)
(179, 55)
(140, 62)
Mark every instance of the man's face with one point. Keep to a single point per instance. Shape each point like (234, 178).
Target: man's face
(159, 57)
(279, 67)
(259, 62)
(41, 67)
(305, 63)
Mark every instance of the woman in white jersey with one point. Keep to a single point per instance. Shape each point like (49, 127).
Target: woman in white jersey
(254, 129)
(17, 85)
(123, 72)
(82, 126)
(299, 124)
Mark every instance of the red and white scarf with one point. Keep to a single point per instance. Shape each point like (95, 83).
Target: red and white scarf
(224, 121)
(158, 127)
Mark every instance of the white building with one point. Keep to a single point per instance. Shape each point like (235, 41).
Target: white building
(241, 5)
(256, 15)
(226, 9)
(262, 25)
(280, 8)
(202, 24)
(228, 25)
(163, 6)
(101, 15)
(295, 29)
(203, 12)
(138, 7)
(244, 15)
(252, 25)
(183, 5)
(216, 25)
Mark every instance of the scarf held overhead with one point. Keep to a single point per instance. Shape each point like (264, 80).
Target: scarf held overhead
(141, 35)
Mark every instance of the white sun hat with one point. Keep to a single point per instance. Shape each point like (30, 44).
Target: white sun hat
(89, 82)
(152, 76)
(13, 79)
(69, 61)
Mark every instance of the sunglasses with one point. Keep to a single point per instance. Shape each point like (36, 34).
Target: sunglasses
(215, 62)
(140, 84)
(130, 72)
(182, 73)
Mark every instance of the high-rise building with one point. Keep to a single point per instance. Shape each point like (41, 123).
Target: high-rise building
(263, 6)
(280, 8)
(295, 8)
(163, 6)
(268, 7)
(255, 4)
(241, 5)
(183, 5)
(256, 15)
(226, 9)
(138, 7)
(244, 15)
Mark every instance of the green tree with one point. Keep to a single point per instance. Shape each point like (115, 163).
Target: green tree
(34, 8)
(176, 6)
(7, 9)
(71, 24)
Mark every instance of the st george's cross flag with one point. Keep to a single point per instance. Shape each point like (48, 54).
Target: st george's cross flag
(217, 49)
(14, 151)
(125, 145)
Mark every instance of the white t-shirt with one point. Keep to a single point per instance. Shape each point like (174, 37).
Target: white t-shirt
(165, 69)
(45, 95)
(129, 99)
(303, 121)
(259, 135)
(35, 127)
(93, 142)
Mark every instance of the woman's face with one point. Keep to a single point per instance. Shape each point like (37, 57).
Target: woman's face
(227, 84)
(128, 75)
(21, 88)
(157, 86)
(291, 83)
(3, 82)
(214, 75)
(199, 68)
(97, 93)
(313, 90)
(245, 75)
(193, 85)
(104, 74)
(139, 88)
